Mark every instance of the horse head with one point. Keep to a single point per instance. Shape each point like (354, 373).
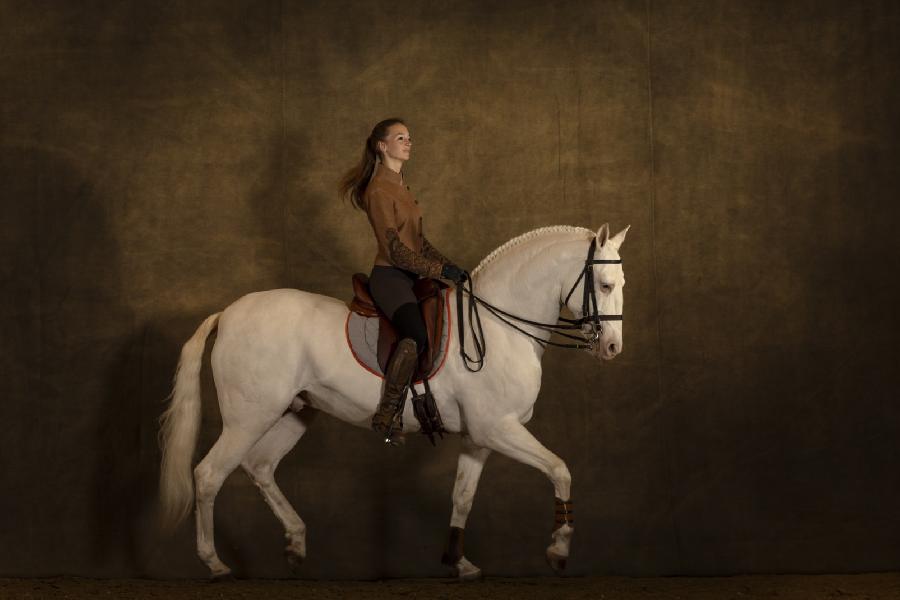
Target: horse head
(608, 279)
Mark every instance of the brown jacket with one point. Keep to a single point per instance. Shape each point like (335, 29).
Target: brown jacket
(397, 222)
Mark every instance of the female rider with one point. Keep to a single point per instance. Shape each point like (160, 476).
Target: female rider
(376, 186)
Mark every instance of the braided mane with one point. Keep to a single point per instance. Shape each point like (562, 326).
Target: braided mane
(529, 236)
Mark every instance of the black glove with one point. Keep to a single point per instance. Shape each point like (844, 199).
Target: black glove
(453, 273)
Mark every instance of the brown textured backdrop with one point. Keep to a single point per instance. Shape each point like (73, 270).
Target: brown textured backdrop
(159, 160)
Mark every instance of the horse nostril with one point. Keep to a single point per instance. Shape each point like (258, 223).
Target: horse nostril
(612, 349)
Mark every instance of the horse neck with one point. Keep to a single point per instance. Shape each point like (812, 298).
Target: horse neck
(526, 281)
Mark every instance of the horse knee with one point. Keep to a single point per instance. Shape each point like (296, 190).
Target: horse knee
(261, 473)
(206, 552)
(559, 474)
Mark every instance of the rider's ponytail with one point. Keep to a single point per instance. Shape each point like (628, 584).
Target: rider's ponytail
(355, 181)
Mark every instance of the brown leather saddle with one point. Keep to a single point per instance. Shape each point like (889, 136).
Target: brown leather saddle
(431, 302)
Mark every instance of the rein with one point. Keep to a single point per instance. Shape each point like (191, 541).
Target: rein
(590, 316)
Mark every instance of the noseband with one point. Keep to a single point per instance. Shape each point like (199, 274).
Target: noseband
(589, 323)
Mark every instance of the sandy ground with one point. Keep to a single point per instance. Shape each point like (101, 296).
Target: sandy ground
(783, 587)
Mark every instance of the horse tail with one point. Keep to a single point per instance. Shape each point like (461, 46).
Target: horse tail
(179, 427)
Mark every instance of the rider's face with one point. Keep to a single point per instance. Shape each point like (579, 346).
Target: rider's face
(397, 144)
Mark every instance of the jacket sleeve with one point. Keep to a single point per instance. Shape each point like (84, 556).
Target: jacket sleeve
(431, 252)
(384, 221)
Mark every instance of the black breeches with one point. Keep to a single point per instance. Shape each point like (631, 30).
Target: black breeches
(392, 290)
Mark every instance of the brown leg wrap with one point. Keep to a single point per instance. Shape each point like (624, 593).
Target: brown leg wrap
(565, 513)
(454, 550)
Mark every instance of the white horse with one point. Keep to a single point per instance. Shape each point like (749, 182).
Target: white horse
(279, 352)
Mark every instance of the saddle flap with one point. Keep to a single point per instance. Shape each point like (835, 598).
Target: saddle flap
(432, 307)
(362, 302)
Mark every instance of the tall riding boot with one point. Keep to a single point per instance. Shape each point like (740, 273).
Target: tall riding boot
(388, 419)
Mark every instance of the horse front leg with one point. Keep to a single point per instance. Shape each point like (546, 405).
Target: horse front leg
(468, 472)
(509, 437)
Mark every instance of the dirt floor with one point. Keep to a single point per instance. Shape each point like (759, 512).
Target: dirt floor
(783, 587)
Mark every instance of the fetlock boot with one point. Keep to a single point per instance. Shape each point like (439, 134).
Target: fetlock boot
(388, 419)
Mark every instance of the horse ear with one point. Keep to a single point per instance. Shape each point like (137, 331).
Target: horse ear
(617, 239)
(602, 235)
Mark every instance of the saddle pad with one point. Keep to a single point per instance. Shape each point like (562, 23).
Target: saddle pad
(362, 337)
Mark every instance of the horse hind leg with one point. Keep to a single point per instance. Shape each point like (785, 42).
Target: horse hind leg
(468, 472)
(260, 464)
(223, 458)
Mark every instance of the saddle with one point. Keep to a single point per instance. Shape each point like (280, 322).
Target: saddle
(431, 303)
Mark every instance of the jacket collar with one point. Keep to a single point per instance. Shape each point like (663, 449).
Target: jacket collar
(386, 174)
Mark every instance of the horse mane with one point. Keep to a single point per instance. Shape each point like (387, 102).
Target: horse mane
(528, 236)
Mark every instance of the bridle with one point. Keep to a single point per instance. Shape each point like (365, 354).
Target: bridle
(589, 323)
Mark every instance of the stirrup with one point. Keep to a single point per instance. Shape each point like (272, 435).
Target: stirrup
(398, 441)
(425, 409)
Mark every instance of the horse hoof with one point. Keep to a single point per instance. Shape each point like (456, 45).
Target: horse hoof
(224, 577)
(294, 560)
(556, 561)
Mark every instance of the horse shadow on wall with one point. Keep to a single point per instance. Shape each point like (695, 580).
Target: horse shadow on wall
(71, 358)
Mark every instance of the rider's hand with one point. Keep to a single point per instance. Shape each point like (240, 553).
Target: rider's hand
(453, 273)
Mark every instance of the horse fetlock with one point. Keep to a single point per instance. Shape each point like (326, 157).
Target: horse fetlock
(558, 550)
(207, 553)
(556, 561)
(466, 571)
(562, 537)
(217, 569)
(294, 556)
(296, 545)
